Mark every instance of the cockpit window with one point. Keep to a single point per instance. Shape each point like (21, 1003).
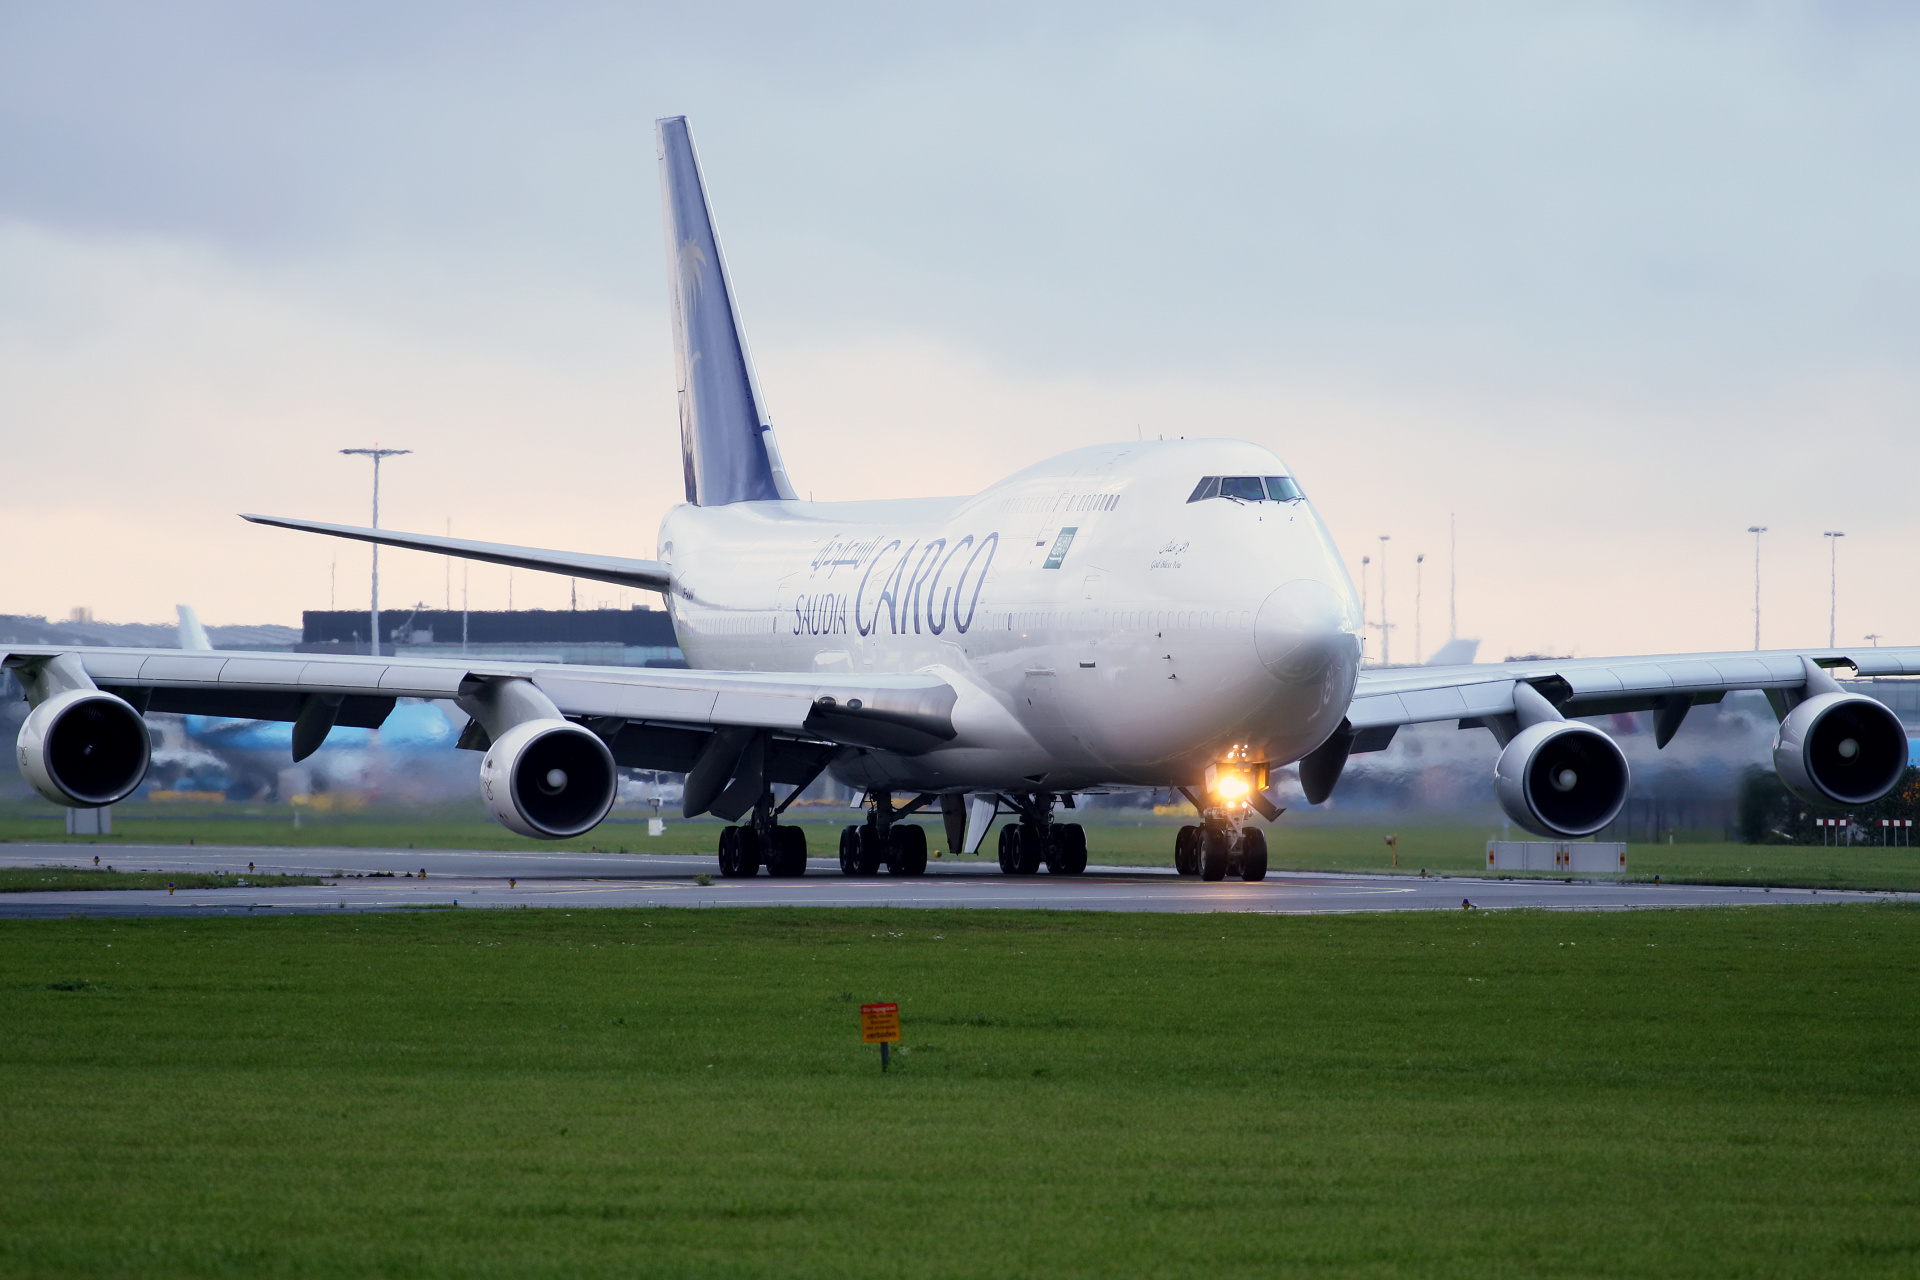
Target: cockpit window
(1247, 489)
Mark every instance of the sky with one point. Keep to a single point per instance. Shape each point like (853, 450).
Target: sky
(1598, 286)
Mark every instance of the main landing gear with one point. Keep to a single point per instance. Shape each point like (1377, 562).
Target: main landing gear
(762, 841)
(884, 838)
(1037, 839)
(1220, 847)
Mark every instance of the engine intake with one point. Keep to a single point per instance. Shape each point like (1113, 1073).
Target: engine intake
(1840, 748)
(548, 779)
(84, 748)
(1561, 779)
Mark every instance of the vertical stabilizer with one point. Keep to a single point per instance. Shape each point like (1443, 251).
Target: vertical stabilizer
(192, 634)
(726, 443)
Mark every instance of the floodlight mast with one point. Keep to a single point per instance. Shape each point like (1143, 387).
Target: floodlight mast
(376, 453)
(1756, 530)
(1833, 537)
(1386, 636)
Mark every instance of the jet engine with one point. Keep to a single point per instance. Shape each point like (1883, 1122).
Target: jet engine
(1561, 779)
(1840, 748)
(84, 748)
(548, 779)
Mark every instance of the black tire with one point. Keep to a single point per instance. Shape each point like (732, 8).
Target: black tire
(1186, 851)
(789, 857)
(869, 850)
(1032, 850)
(850, 851)
(733, 862)
(1253, 855)
(1010, 849)
(1216, 847)
(751, 855)
(1068, 855)
(908, 856)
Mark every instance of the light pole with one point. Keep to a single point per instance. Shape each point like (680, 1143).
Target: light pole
(1365, 599)
(1418, 648)
(1875, 639)
(376, 453)
(1453, 579)
(1833, 537)
(1756, 530)
(1386, 637)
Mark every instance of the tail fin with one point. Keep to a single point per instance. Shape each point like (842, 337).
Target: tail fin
(726, 442)
(192, 634)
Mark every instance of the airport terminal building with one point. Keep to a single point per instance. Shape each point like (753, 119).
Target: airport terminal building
(636, 637)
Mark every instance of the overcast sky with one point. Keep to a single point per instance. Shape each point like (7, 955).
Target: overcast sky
(1606, 283)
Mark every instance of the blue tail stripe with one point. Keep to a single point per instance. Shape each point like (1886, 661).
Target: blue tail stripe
(725, 439)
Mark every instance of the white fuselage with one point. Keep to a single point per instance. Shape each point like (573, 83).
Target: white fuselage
(1157, 636)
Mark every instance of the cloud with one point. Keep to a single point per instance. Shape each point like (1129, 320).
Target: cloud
(1608, 283)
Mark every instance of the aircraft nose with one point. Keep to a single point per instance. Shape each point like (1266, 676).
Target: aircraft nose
(1302, 629)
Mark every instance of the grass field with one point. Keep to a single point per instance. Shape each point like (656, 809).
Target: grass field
(1298, 845)
(1707, 1093)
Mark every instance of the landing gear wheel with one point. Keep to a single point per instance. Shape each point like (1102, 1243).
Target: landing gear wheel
(850, 851)
(869, 851)
(739, 852)
(908, 856)
(1067, 854)
(1031, 850)
(1186, 852)
(1216, 847)
(1019, 849)
(789, 856)
(1253, 856)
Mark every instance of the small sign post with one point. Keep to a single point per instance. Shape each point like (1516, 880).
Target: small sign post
(880, 1024)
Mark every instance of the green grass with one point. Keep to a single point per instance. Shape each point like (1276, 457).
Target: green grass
(1296, 845)
(672, 1093)
(41, 879)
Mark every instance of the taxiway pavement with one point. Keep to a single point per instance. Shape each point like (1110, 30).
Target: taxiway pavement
(358, 880)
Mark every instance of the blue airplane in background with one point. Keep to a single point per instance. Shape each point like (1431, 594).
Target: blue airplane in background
(412, 725)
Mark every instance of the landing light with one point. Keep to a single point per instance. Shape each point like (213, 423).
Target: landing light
(1231, 786)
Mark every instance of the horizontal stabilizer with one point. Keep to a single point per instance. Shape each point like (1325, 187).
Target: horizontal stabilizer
(646, 575)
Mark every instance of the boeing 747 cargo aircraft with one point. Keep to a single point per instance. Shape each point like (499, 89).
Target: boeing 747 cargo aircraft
(1158, 614)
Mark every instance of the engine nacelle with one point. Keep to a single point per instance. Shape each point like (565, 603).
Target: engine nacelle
(1840, 748)
(84, 748)
(1561, 779)
(548, 779)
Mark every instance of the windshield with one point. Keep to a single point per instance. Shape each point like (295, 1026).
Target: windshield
(1247, 489)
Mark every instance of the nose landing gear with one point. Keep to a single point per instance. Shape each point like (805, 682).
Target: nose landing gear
(1219, 848)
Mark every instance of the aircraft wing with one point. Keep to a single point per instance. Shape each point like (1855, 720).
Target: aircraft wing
(1388, 697)
(785, 727)
(647, 575)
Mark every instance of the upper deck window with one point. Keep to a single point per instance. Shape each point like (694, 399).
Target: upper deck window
(1247, 489)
